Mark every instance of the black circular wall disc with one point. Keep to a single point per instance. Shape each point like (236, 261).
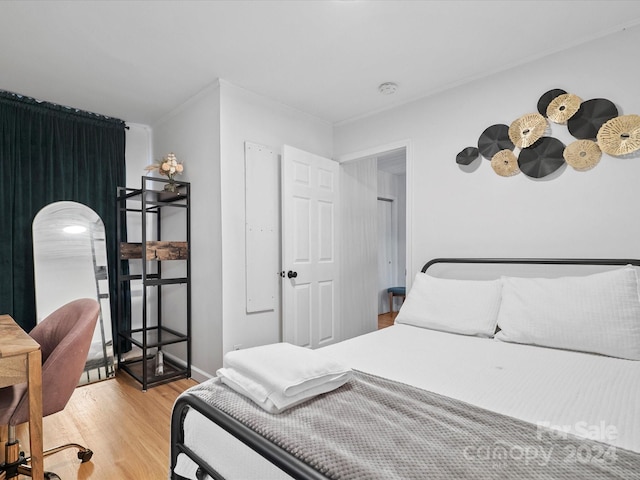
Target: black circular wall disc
(546, 99)
(591, 115)
(466, 156)
(494, 139)
(542, 158)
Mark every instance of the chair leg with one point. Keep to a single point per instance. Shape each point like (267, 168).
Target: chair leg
(390, 302)
(21, 467)
(13, 457)
(84, 453)
(17, 464)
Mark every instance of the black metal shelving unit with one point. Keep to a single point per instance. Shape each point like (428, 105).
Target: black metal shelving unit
(153, 202)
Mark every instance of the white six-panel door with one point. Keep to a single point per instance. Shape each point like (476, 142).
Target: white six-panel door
(310, 293)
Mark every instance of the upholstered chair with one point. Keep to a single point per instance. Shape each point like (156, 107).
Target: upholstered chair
(64, 338)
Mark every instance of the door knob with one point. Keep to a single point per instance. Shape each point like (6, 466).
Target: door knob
(291, 274)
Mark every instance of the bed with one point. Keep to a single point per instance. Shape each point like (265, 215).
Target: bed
(495, 368)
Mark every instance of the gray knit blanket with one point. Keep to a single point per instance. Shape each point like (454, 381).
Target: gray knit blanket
(375, 428)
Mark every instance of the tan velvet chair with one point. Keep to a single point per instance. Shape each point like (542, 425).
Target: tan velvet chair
(64, 338)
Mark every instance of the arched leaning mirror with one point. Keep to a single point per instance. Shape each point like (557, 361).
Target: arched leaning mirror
(70, 262)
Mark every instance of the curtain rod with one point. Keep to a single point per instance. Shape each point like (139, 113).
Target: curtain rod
(63, 108)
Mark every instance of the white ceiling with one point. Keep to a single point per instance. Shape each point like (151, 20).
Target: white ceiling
(137, 60)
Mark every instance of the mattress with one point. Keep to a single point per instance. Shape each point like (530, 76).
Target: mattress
(587, 395)
(575, 392)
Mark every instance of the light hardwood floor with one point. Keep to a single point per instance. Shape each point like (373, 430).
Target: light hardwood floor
(386, 319)
(127, 429)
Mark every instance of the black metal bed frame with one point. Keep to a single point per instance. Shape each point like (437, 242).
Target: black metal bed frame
(535, 261)
(278, 456)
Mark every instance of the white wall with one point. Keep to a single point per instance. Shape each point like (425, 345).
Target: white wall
(245, 116)
(454, 213)
(192, 132)
(138, 152)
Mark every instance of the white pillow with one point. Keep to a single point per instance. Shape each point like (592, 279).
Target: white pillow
(597, 313)
(469, 307)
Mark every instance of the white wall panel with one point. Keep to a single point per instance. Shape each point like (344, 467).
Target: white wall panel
(261, 235)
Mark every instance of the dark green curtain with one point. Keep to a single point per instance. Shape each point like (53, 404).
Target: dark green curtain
(50, 153)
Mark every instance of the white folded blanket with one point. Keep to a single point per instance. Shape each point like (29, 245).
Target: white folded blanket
(280, 375)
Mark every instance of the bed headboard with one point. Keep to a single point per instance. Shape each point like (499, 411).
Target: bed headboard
(494, 267)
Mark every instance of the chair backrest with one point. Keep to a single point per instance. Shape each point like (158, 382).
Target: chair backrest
(64, 338)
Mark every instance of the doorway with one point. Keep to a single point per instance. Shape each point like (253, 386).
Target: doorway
(392, 226)
(390, 164)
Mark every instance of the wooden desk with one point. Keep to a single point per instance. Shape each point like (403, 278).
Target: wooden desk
(21, 361)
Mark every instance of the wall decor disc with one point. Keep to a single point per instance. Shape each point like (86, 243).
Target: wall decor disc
(542, 158)
(505, 163)
(582, 155)
(546, 98)
(527, 129)
(494, 139)
(563, 107)
(591, 115)
(620, 135)
(466, 156)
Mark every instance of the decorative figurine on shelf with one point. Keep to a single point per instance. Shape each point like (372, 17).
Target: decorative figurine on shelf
(169, 166)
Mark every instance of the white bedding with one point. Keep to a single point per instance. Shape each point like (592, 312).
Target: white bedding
(536, 384)
(585, 394)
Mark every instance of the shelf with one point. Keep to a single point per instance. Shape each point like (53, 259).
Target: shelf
(154, 280)
(151, 206)
(159, 197)
(156, 250)
(166, 197)
(153, 335)
(172, 371)
(166, 281)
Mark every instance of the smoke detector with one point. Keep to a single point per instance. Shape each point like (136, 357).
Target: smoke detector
(388, 88)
